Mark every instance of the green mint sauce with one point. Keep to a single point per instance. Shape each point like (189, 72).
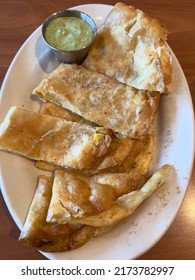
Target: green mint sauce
(68, 33)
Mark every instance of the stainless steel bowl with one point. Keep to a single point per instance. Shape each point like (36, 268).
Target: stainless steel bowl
(70, 56)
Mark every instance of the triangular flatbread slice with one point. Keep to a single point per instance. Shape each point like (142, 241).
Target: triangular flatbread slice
(49, 237)
(36, 232)
(122, 207)
(77, 195)
(101, 100)
(124, 155)
(52, 237)
(118, 152)
(131, 47)
(51, 139)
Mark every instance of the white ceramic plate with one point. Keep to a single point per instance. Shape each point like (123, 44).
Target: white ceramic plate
(175, 145)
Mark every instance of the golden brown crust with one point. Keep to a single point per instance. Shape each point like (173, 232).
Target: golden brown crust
(123, 14)
(126, 204)
(130, 47)
(123, 155)
(101, 100)
(78, 195)
(54, 237)
(50, 237)
(62, 143)
(56, 141)
(36, 232)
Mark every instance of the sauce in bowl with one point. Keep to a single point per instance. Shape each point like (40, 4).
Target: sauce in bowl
(68, 33)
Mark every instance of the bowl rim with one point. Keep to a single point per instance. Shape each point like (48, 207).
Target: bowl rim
(72, 13)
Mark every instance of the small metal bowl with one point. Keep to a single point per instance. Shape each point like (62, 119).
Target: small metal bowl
(70, 56)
